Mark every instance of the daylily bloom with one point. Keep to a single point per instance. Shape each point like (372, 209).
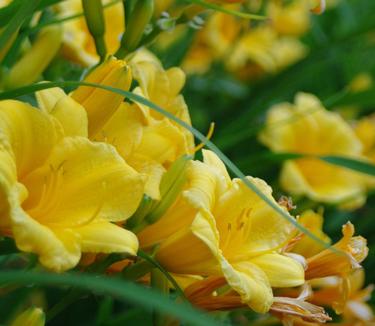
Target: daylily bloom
(59, 192)
(78, 43)
(306, 127)
(261, 50)
(148, 141)
(290, 19)
(228, 232)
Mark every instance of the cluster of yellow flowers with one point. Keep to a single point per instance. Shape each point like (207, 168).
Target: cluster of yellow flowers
(89, 173)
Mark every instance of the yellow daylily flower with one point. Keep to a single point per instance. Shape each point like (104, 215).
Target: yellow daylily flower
(290, 19)
(78, 43)
(307, 127)
(228, 231)
(213, 42)
(262, 50)
(31, 317)
(148, 141)
(59, 193)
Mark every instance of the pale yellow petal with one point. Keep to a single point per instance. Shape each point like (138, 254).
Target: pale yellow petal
(105, 237)
(211, 159)
(31, 236)
(151, 170)
(47, 98)
(247, 225)
(81, 181)
(251, 283)
(281, 271)
(72, 116)
(8, 180)
(124, 130)
(31, 134)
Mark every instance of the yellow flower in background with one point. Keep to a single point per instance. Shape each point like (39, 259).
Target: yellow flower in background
(32, 64)
(307, 246)
(262, 50)
(365, 131)
(78, 43)
(213, 42)
(228, 231)
(59, 192)
(30, 317)
(306, 127)
(290, 19)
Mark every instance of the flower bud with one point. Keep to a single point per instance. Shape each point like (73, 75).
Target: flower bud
(100, 104)
(138, 20)
(94, 16)
(34, 61)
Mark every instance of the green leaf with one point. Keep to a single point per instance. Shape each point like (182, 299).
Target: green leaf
(123, 290)
(136, 98)
(346, 162)
(25, 9)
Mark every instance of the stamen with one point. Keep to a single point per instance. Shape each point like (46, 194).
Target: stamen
(209, 135)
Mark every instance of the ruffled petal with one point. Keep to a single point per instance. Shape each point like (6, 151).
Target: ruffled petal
(30, 133)
(57, 251)
(82, 181)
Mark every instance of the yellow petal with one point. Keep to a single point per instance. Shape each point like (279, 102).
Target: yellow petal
(124, 129)
(211, 159)
(251, 283)
(281, 271)
(200, 261)
(30, 133)
(47, 98)
(72, 117)
(31, 236)
(247, 225)
(105, 237)
(332, 184)
(8, 179)
(70, 113)
(152, 171)
(81, 181)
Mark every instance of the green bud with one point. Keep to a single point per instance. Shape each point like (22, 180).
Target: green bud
(170, 187)
(94, 16)
(136, 24)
